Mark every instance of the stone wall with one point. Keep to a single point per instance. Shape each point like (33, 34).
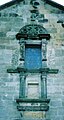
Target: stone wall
(11, 20)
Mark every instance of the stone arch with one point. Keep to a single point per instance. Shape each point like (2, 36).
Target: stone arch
(32, 31)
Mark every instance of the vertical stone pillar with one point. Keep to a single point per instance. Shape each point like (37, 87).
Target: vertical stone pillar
(22, 50)
(44, 51)
(22, 53)
(22, 85)
(44, 65)
(43, 86)
(21, 65)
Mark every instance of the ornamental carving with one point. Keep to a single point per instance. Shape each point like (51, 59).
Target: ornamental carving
(33, 31)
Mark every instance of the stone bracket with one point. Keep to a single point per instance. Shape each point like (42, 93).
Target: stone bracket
(53, 71)
(11, 70)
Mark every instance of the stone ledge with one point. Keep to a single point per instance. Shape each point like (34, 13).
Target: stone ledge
(33, 37)
(31, 118)
(43, 106)
(25, 100)
(33, 108)
(41, 70)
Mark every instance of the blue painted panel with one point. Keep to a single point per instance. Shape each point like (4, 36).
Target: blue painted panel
(33, 58)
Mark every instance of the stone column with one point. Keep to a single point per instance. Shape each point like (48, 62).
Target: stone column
(22, 85)
(43, 86)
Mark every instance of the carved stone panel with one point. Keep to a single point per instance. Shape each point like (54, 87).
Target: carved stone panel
(22, 51)
(33, 31)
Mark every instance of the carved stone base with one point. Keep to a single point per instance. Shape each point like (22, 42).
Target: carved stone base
(33, 104)
(33, 108)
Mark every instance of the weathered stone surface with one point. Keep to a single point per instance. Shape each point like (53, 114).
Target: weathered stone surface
(12, 19)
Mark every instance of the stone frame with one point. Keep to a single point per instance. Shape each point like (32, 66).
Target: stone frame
(43, 44)
(38, 35)
(32, 34)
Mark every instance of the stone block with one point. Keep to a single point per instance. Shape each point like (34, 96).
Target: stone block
(13, 14)
(52, 30)
(58, 117)
(59, 52)
(60, 111)
(56, 103)
(43, 20)
(2, 34)
(2, 46)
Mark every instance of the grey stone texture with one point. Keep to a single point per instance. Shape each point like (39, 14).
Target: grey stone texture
(12, 19)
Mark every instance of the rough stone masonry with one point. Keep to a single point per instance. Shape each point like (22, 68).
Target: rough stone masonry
(12, 19)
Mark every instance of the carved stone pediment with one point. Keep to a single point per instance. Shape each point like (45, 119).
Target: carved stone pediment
(32, 31)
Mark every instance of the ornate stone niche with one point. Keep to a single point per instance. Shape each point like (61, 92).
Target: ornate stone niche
(33, 48)
(33, 42)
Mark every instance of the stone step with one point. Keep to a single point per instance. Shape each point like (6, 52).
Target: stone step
(25, 118)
